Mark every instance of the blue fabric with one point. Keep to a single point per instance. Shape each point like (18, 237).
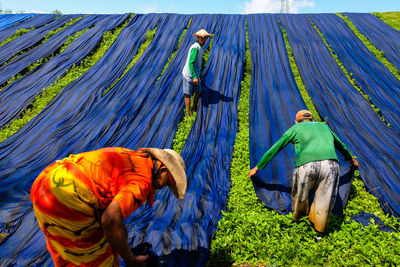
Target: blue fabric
(35, 21)
(274, 102)
(367, 219)
(19, 94)
(349, 115)
(369, 73)
(30, 38)
(181, 230)
(44, 50)
(7, 20)
(125, 93)
(381, 35)
(137, 113)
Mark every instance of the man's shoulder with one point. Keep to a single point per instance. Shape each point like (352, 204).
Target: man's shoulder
(310, 124)
(195, 45)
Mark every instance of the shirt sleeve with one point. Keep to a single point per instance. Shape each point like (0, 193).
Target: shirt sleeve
(341, 147)
(131, 197)
(275, 148)
(133, 186)
(192, 60)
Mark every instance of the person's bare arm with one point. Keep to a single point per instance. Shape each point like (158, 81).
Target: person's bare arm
(115, 232)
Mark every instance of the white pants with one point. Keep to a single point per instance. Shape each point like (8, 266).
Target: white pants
(320, 177)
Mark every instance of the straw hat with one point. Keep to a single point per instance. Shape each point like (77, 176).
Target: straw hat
(203, 33)
(175, 165)
(303, 114)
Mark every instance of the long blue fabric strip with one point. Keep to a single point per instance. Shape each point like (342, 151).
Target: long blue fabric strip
(384, 37)
(31, 38)
(369, 73)
(34, 22)
(19, 94)
(47, 48)
(181, 230)
(8, 20)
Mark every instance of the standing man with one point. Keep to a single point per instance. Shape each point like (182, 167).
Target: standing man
(191, 70)
(316, 170)
(81, 202)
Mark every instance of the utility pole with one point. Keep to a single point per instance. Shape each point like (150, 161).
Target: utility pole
(285, 6)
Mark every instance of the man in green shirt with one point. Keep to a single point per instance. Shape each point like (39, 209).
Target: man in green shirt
(316, 168)
(192, 68)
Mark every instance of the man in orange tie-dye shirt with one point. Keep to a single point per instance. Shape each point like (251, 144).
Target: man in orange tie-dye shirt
(81, 202)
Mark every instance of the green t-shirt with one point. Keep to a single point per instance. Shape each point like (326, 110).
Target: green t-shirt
(312, 141)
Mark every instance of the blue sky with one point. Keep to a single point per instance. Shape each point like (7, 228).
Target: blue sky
(206, 6)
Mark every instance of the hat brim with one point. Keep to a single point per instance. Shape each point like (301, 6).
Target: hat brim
(175, 165)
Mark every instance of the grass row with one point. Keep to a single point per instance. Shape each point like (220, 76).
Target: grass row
(252, 234)
(390, 18)
(378, 53)
(44, 39)
(72, 74)
(149, 37)
(299, 81)
(172, 56)
(349, 76)
(185, 125)
(41, 61)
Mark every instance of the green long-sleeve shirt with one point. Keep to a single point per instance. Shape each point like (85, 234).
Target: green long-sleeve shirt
(192, 62)
(312, 141)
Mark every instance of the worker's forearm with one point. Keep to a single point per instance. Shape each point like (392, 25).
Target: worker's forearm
(115, 232)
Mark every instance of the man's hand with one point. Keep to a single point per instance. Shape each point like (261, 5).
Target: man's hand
(355, 163)
(115, 233)
(195, 81)
(138, 261)
(253, 171)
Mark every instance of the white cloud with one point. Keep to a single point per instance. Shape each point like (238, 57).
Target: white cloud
(151, 8)
(295, 5)
(34, 11)
(273, 6)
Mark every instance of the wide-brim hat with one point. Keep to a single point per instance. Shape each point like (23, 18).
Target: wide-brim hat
(303, 114)
(203, 33)
(175, 165)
